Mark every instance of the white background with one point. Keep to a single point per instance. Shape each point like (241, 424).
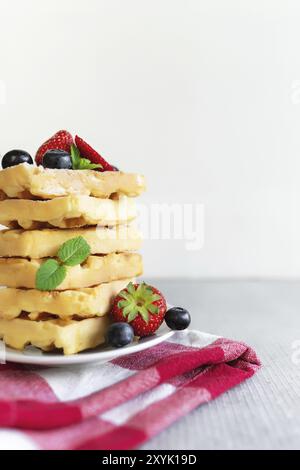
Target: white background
(202, 96)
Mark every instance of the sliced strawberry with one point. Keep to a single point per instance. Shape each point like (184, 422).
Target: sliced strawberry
(142, 306)
(62, 140)
(86, 151)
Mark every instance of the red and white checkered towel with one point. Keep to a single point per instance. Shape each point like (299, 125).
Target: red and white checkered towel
(120, 404)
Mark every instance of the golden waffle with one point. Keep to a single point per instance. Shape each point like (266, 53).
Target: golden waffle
(66, 212)
(71, 336)
(84, 303)
(21, 273)
(29, 182)
(46, 243)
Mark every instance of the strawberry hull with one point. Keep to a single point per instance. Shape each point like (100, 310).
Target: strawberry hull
(142, 306)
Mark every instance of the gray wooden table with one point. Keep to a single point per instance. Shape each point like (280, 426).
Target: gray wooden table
(264, 412)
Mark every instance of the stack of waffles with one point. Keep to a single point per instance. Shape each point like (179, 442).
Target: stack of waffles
(43, 209)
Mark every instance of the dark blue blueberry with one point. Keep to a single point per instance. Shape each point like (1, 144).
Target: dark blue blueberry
(119, 335)
(15, 157)
(57, 159)
(178, 318)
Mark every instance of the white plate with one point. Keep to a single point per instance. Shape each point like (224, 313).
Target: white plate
(35, 356)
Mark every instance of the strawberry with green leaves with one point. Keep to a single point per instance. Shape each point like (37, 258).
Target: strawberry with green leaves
(80, 163)
(60, 152)
(142, 306)
(90, 154)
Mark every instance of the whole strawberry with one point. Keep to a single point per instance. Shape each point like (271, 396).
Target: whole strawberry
(86, 151)
(62, 140)
(142, 306)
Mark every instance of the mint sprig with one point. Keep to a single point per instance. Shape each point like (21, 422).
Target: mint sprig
(50, 275)
(53, 271)
(74, 251)
(80, 163)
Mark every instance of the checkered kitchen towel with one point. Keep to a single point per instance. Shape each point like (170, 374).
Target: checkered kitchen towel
(120, 404)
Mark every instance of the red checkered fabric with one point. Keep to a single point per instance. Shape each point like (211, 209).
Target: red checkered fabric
(120, 404)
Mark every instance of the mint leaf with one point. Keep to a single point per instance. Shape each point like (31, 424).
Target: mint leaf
(74, 251)
(75, 155)
(79, 163)
(50, 275)
(86, 164)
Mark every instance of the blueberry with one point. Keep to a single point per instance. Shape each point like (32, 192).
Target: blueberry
(119, 334)
(177, 318)
(15, 157)
(57, 159)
